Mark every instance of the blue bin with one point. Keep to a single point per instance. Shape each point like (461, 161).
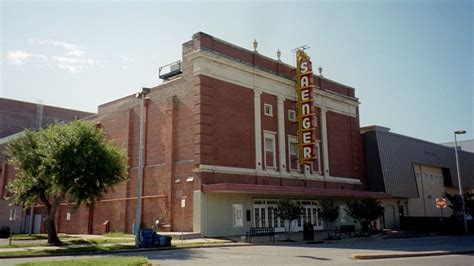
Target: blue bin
(165, 241)
(161, 241)
(145, 238)
(156, 240)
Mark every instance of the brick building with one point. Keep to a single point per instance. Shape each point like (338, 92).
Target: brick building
(221, 133)
(15, 116)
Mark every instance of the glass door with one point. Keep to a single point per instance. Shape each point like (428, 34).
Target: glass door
(264, 213)
(316, 218)
(260, 215)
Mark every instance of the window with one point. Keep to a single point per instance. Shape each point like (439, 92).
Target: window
(270, 150)
(292, 115)
(268, 109)
(293, 152)
(317, 161)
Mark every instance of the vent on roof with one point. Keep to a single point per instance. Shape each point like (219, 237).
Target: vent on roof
(170, 70)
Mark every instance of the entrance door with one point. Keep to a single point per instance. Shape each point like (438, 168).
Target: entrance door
(260, 214)
(37, 227)
(265, 216)
(310, 214)
(389, 216)
(316, 219)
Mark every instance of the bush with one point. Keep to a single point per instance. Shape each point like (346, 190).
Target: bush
(365, 211)
(288, 211)
(4, 232)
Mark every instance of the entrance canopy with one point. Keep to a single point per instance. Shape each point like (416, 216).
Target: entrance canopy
(292, 191)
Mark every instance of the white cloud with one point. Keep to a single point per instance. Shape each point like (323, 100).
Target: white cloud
(70, 48)
(19, 57)
(77, 53)
(63, 55)
(72, 65)
(74, 61)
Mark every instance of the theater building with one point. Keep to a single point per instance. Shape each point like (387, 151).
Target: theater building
(222, 146)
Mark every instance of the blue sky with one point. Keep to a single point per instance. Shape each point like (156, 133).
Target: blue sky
(411, 62)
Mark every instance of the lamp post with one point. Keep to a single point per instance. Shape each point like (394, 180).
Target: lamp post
(460, 132)
(138, 214)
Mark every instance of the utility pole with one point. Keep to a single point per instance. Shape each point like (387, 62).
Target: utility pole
(138, 213)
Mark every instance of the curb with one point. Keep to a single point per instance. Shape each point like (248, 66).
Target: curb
(86, 253)
(407, 255)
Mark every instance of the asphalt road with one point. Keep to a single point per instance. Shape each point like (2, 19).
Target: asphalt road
(337, 253)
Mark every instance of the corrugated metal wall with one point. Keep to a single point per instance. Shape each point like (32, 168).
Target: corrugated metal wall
(398, 153)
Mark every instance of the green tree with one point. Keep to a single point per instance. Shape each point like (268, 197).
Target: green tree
(456, 203)
(329, 212)
(288, 211)
(364, 211)
(70, 162)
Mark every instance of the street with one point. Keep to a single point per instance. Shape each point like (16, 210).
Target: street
(337, 253)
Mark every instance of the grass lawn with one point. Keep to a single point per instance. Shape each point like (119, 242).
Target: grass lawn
(115, 260)
(118, 234)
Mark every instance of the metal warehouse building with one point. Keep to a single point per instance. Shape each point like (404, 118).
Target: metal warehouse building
(415, 172)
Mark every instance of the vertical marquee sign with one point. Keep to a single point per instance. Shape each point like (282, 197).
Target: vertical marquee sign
(305, 106)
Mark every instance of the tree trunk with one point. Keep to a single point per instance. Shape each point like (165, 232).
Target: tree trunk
(53, 238)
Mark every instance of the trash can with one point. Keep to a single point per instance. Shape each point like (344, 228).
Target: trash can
(145, 238)
(156, 240)
(308, 231)
(165, 241)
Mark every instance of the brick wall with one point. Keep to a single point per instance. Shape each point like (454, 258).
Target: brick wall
(346, 151)
(226, 131)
